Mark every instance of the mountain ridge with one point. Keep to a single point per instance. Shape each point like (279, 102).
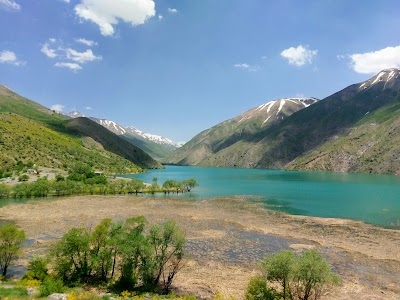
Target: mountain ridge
(307, 130)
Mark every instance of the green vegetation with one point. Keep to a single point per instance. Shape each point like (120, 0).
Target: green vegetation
(144, 259)
(30, 133)
(82, 180)
(10, 242)
(303, 276)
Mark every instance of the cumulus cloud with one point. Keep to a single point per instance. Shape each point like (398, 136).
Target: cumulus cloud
(57, 107)
(172, 10)
(10, 5)
(299, 56)
(160, 17)
(373, 62)
(48, 51)
(68, 65)
(67, 57)
(247, 67)
(86, 42)
(81, 57)
(9, 57)
(106, 14)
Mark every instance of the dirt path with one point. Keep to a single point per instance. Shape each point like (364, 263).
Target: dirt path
(227, 237)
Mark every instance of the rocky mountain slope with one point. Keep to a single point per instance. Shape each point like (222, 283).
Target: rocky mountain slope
(155, 145)
(355, 129)
(31, 132)
(212, 142)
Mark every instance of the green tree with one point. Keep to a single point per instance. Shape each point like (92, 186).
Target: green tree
(190, 184)
(311, 275)
(4, 190)
(166, 243)
(279, 268)
(11, 239)
(136, 185)
(71, 255)
(302, 277)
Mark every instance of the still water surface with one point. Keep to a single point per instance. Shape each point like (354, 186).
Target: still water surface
(371, 198)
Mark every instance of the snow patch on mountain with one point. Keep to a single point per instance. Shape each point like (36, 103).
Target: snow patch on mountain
(386, 76)
(152, 137)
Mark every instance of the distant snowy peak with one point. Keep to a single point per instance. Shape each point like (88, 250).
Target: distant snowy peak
(387, 76)
(153, 137)
(111, 125)
(276, 109)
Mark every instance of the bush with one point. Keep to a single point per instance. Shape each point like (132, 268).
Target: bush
(23, 177)
(37, 268)
(257, 289)
(303, 276)
(51, 286)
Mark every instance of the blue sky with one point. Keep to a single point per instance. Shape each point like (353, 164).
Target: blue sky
(177, 67)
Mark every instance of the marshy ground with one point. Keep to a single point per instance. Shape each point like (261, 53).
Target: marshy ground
(226, 239)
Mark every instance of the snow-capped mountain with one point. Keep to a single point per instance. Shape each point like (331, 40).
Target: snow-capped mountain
(152, 137)
(387, 76)
(274, 110)
(121, 130)
(206, 144)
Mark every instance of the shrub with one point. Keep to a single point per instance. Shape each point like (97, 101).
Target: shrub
(257, 289)
(37, 268)
(303, 276)
(23, 177)
(51, 286)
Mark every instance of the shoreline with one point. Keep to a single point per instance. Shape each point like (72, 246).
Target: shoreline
(226, 238)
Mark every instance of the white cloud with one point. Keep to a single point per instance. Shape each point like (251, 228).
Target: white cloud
(160, 17)
(48, 52)
(172, 10)
(247, 67)
(67, 1)
(52, 40)
(68, 65)
(9, 5)
(86, 42)
(9, 57)
(106, 14)
(57, 107)
(81, 57)
(88, 108)
(373, 62)
(299, 56)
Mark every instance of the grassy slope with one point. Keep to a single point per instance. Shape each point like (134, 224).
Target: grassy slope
(221, 144)
(157, 151)
(371, 145)
(53, 144)
(29, 140)
(112, 142)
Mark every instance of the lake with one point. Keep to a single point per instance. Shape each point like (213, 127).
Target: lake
(371, 198)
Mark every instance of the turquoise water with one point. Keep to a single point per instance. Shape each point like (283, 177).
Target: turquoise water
(371, 198)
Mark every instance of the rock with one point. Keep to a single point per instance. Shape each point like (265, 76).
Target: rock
(31, 291)
(57, 296)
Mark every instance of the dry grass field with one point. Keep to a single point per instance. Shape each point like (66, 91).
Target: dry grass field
(226, 237)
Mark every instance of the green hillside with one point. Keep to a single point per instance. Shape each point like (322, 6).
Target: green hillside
(32, 133)
(111, 142)
(211, 147)
(371, 145)
(355, 130)
(157, 151)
